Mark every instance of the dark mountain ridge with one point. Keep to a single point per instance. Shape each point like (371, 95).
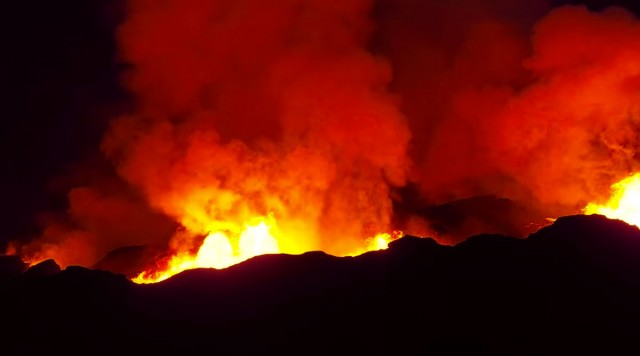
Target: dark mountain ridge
(571, 287)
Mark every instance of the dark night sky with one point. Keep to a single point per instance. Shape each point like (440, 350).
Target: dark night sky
(60, 87)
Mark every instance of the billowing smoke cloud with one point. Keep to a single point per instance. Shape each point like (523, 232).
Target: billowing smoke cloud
(314, 111)
(574, 131)
(549, 119)
(249, 108)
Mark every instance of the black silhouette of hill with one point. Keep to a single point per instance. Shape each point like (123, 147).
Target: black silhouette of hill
(128, 260)
(456, 220)
(453, 222)
(569, 288)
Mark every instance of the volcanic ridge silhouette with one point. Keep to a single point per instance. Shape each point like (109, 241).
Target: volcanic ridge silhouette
(570, 287)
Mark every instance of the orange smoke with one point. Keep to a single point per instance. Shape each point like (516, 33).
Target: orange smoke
(284, 117)
(250, 109)
(573, 132)
(550, 120)
(99, 219)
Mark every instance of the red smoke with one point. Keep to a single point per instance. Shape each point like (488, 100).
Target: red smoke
(100, 218)
(549, 119)
(315, 110)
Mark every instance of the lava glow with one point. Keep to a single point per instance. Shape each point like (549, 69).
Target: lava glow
(377, 242)
(624, 203)
(218, 250)
(221, 250)
(300, 138)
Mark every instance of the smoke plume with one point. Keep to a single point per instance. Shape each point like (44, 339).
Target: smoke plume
(250, 108)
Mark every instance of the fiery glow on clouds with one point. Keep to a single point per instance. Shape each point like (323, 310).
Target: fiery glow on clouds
(287, 126)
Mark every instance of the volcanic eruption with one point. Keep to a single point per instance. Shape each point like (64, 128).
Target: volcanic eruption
(284, 141)
(300, 176)
(293, 126)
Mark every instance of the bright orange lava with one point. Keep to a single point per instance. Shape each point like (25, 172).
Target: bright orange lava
(220, 250)
(624, 203)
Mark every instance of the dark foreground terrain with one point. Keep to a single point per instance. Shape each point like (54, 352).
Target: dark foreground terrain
(570, 288)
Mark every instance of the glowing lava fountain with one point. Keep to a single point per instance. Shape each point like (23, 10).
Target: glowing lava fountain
(624, 203)
(221, 250)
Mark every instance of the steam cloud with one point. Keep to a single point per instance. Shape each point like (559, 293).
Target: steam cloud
(316, 110)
